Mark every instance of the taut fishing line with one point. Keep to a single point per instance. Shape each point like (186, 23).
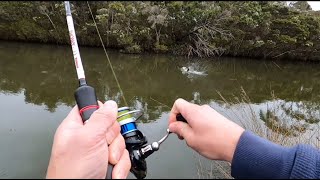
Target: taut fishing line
(105, 51)
(134, 138)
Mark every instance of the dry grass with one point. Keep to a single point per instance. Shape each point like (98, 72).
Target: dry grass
(270, 125)
(267, 124)
(207, 169)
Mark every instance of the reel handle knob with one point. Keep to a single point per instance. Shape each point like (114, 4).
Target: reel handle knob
(179, 117)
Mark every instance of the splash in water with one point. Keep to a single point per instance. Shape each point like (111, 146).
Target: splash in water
(192, 70)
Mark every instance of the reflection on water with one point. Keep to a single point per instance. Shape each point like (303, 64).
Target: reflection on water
(37, 83)
(47, 74)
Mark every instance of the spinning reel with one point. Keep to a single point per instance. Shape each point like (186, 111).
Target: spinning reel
(136, 142)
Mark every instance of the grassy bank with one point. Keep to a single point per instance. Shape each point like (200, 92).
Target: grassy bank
(262, 30)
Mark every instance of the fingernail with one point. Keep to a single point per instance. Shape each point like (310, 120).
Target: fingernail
(110, 104)
(100, 103)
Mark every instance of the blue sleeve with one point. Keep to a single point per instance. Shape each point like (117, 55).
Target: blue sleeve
(256, 157)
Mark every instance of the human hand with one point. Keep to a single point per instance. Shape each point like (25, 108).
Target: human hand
(208, 132)
(81, 150)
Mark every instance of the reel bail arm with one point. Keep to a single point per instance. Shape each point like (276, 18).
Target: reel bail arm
(151, 148)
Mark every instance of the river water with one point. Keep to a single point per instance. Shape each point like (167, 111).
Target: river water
(36, 93)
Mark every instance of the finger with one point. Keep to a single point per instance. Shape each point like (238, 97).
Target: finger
(181, 106)
(116, 149)
(183, 130)
(113, 132)
(104, 117)
(122, 168)
(73, 117)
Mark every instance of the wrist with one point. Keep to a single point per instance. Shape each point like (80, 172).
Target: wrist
(232, 143)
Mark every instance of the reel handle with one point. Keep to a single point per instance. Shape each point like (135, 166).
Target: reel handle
(87, 103)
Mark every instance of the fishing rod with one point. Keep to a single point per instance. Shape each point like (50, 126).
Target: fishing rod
(85, 95)
(136, 142)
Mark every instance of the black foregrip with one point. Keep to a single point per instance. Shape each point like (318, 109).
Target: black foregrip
(179, 117)
(86, 100)
(87, 103)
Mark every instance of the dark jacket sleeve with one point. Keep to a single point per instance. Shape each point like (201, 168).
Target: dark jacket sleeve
(256, 157)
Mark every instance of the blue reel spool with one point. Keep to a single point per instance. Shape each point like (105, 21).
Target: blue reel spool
(126, 120)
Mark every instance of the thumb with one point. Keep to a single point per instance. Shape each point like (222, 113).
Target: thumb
(104, 117)
(182, 130)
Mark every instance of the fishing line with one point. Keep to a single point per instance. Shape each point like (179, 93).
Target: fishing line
(105, 51)
(160, 103)
(134, 138)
